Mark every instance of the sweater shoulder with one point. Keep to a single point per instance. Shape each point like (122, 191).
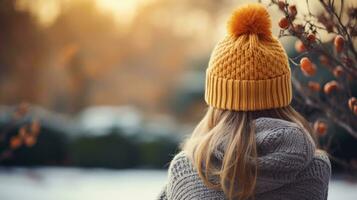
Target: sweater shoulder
(180, 166)
(185, 183)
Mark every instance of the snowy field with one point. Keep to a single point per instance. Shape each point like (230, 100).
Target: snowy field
(81, 184)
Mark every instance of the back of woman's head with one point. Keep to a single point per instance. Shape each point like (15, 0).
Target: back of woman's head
(248, 77)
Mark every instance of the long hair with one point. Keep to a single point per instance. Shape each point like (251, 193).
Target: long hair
(233, 133)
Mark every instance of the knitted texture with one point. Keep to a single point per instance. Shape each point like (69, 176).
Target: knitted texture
(248, 69)
(288, 167)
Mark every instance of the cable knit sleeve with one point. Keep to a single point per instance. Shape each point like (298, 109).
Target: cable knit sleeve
(177, 177)
(314, 180)
(185, 183)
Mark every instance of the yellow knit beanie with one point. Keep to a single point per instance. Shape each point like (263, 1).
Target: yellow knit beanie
(248, 70)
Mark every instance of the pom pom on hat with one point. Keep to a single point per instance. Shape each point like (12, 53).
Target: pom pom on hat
(250, 19)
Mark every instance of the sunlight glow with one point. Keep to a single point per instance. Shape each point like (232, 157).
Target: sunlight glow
(47, 11)
(123, 10)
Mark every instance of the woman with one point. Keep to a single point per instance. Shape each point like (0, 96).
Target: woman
(251, 144)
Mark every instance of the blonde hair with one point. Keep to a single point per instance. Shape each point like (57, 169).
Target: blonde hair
(233, 133)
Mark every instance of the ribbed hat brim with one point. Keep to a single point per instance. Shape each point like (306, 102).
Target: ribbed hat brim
(248, 95)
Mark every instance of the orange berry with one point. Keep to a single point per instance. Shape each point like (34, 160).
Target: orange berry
(352, 102)
(299, 46)
(314, 86)
(307, 67)
(311, 37)
(30, 141)
(15, 142)
(284, 23)
(281, 4)
(330, 87)
(292, 10)
(338, 42)
(338, 71)
(320, 128)
(306, 62)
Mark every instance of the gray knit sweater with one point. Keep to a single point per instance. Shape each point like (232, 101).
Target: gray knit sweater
(288, 168)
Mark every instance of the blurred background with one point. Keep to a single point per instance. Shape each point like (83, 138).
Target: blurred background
(96, 95)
